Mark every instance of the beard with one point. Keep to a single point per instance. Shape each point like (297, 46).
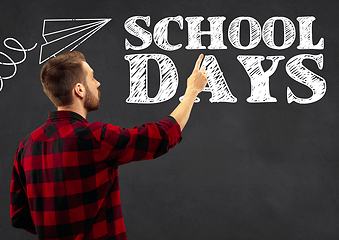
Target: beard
(91, 102)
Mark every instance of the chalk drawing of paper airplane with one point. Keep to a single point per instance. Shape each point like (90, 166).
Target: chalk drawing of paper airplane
(63, 35)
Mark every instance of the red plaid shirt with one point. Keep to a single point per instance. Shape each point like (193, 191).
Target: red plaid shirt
(65, 175)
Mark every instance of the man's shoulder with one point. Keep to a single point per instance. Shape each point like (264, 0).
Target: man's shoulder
(66, 129)
(31, 137)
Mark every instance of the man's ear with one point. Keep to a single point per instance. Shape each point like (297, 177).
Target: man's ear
(79, 90)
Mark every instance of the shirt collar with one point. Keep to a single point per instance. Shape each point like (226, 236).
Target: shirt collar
(59, 115)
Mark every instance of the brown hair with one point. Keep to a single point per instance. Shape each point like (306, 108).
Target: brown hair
(60, 74)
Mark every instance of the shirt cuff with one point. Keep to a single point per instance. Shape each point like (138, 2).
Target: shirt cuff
(172, 119)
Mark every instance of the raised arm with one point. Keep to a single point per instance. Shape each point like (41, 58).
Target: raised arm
(195, 84)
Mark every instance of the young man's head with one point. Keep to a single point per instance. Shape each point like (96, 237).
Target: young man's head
(68, 79)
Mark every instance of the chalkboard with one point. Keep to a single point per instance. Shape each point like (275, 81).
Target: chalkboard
(254, 163)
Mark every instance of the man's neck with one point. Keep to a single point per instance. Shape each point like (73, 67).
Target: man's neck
(80, 111)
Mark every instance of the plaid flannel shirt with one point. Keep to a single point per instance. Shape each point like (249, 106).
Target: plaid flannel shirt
(65, 175)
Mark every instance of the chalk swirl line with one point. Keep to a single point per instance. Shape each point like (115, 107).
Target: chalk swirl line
(11, 62)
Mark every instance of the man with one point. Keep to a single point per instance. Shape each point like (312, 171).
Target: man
(65, 174)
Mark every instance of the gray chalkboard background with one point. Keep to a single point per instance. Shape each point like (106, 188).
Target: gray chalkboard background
(266, 171)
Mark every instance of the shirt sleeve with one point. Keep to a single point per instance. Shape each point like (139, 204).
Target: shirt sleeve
(148, 141)
(19, 208)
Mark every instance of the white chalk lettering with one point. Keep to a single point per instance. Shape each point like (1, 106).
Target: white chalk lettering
(216, 33)
(133, 28)
(160, 33)
(234, 33)
(306, 36)
(169, 78)
(260, 90)
(252, 64)
(216, 81)
(268, 33)
(298, 72)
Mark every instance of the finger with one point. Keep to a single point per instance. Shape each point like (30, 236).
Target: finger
(197, 64)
